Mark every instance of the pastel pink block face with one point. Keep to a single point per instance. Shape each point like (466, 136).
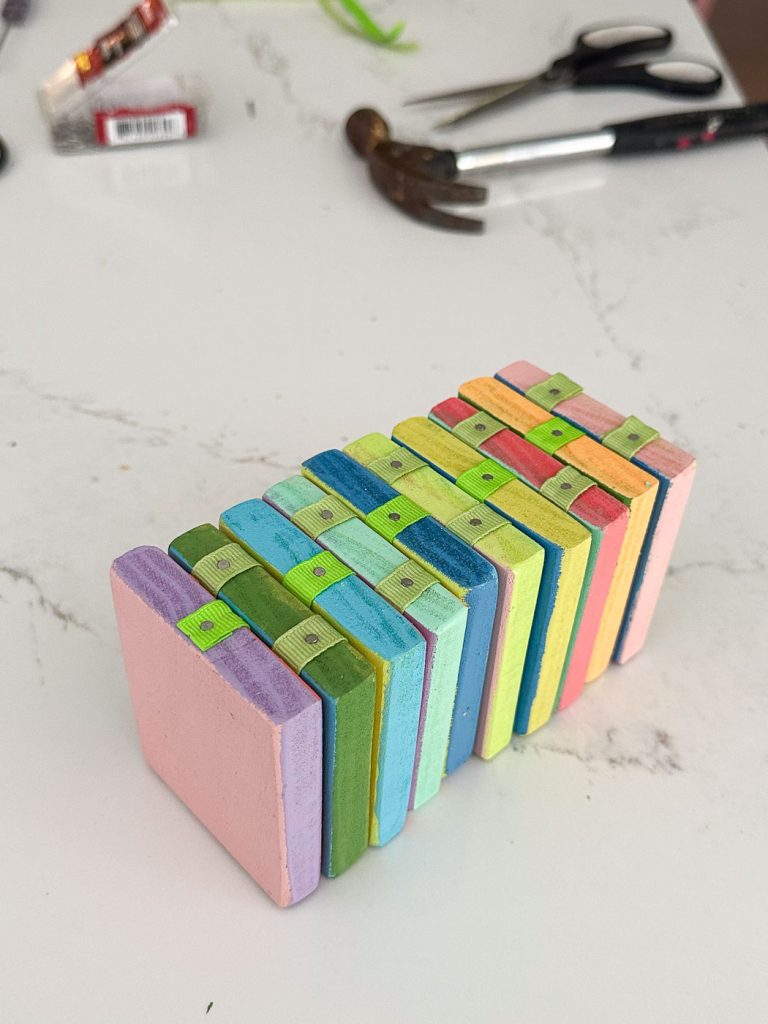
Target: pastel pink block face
(232, 730)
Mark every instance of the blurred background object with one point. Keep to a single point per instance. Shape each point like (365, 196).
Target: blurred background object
(741, 30)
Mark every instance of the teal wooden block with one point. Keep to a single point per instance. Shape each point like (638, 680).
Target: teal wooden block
(439, 616)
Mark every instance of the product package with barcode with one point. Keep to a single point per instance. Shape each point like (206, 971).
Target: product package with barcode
(88, 104)
(133, 113)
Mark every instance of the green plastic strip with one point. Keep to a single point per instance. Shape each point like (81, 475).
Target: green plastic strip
(210, 624)
(322, 515)
(474, 524)
(553, 390)
(565, 487)
(395, 515)
(476, 429)
(485, 478)
(404, 584)
(305, 641)
(220, 566)
(398, 463)
(360, 23)
(553, 434)
(630, 437)
(309, 579)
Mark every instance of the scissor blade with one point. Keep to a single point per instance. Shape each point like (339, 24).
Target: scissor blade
(468, 93)
(497, 99)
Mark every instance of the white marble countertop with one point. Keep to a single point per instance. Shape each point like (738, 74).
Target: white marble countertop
(179, 328)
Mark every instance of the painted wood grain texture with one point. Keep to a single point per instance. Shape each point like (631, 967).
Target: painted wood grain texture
(343, 680)
(464, 572)
(670, 465)
(232, 731)
(519, 562)
(390, 643)
(440, 617)
(604, 516)
(630, 484)
(566, 547)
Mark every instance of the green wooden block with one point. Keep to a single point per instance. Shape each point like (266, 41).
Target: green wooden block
(340, 676)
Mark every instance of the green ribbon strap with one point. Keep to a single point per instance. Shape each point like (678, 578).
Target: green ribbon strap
(398, 463)
(306, 640)
(210, 624)
(322, 515)
(565, 487)
(484, 479)
(478, 428)
(630, 437)
(309, 579)
(474, 524)
(395, 515)
(553, 390)
(553, 434)
(405, 584)
(220, 566)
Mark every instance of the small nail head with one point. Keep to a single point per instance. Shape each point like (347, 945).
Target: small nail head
(557, 433)
(475, 522)
(633, 436)
(311, 638)
(395, 517)
(565, 486)
(396, 464)
(318, 571)
(326, 514)
(554, 391)
(406, 581)
(206, 624)
(480, 426)
(487, 476)
(223, 563)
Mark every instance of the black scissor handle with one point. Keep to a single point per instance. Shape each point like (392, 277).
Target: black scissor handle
(607, 43)
(673, 77)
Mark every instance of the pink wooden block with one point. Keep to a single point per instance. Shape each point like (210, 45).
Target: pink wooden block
(232, 730)
(665, 460)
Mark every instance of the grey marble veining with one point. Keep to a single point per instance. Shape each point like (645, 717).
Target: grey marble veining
(183, 327)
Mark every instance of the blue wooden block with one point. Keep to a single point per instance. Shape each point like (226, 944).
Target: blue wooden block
(396, 650)
(439, 616)
(458, 567)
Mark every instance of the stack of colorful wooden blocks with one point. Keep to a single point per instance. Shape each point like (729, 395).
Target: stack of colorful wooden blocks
(308, 671)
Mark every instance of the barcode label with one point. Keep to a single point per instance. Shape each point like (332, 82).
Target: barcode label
(130, 130)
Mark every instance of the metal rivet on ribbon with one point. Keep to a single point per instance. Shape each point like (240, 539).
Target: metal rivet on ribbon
(399, 462)
(321, 515)
(218, 567)
(553, 390)
(553, 434)
(484, 479)
(405, 584)
(474, 524)
(630, 437)
(477, 429)
(565, 487)
(394, 516)
(309, 579)
(210, 624)
(305, 641)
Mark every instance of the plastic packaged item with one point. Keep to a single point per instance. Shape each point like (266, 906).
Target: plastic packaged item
(69, 86)
(133, 113)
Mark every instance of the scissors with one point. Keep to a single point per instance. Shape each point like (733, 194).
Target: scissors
(594, 61)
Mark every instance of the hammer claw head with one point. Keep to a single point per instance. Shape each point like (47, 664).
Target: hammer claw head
(413, 177)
